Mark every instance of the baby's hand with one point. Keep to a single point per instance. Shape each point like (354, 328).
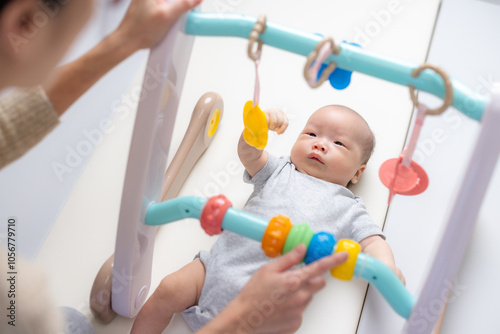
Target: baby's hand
(276, 120)
(398, 273)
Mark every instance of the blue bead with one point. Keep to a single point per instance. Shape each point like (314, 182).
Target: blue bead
(321, 245)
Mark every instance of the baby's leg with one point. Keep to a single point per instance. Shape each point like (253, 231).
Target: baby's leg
(176, 292)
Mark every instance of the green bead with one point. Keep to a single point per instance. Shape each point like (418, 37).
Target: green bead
(299, 234)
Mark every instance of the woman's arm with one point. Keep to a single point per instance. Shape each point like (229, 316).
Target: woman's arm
(144, 25)
(69, 82)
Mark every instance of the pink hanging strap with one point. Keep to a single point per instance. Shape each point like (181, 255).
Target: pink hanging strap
(410, 148)
(256, 91)
(324, 53)
(393, 183)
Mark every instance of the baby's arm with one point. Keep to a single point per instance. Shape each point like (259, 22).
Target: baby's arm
(254, 159)
(176, 292)
(379, 249)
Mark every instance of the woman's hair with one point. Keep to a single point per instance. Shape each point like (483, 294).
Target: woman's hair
(3, 3)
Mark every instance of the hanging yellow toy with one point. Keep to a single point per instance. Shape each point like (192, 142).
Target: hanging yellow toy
(254, 119)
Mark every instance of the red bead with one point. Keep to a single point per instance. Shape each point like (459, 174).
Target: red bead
(213, 214)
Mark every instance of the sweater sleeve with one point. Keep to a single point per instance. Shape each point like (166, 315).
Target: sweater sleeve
(26, 116)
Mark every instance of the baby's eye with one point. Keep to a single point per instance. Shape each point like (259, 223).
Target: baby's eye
(338, 143)
(312, 134)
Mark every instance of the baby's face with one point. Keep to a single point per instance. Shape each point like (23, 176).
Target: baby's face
(330, 147)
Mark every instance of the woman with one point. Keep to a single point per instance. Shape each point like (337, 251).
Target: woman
(34, 35)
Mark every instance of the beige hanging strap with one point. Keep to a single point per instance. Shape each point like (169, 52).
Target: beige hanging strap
(258, 28)
(314, 56)
(447, 100)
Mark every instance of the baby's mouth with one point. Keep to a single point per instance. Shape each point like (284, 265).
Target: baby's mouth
(315, 156)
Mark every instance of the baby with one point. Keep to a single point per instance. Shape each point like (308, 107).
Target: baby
(308, 186)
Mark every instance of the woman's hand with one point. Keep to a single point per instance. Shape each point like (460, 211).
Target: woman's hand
(275, 297)
(147, 21)
(276, 120)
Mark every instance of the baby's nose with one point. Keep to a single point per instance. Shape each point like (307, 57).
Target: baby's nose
(320, 146)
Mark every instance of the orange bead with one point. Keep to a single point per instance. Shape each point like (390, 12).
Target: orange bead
(275, 235)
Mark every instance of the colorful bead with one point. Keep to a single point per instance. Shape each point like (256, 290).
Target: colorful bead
(321, 245)
(299, 234)
(275, 235)
(345, 271)
(213, 214)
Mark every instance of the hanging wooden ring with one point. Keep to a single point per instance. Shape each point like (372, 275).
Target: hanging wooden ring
(314, 55)
(448, 99)
(258, 28)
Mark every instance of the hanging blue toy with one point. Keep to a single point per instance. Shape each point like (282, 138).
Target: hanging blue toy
(340, 78)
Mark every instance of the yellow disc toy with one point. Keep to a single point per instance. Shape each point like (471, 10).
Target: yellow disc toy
(256, 129)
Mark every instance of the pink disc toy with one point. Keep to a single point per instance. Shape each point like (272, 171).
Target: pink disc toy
(403, 180)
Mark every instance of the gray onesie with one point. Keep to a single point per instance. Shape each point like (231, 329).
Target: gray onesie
(278, 189)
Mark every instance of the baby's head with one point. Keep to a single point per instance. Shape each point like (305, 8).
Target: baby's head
(334, 146)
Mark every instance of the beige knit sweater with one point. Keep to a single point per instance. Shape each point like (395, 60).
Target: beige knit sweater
(26, 116)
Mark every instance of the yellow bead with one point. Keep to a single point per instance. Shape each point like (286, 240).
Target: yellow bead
(255, 121)
(346, 270)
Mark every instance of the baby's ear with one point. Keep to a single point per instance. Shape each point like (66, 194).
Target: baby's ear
(356, 176)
